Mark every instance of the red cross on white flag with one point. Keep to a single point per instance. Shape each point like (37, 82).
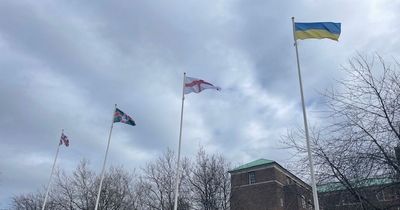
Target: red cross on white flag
(194, 85)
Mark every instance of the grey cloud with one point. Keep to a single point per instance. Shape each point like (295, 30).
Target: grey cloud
(65, 63)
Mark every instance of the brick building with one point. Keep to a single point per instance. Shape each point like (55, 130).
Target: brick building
(266, 185)
(381, 193)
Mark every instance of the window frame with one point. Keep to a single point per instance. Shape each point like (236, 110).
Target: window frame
(251, 177)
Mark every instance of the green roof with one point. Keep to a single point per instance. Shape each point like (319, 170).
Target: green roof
(335, 186)
(252, 164)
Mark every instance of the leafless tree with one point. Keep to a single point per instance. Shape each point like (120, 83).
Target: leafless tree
(78, 191)
(118, 191)
(361, 127)
(27, 202)
(204, 185)
(210, 181)
(158, 183)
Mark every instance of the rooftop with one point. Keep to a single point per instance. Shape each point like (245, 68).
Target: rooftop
(252, 164)
(336, 186)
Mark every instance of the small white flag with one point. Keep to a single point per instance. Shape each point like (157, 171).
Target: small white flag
(194, 85)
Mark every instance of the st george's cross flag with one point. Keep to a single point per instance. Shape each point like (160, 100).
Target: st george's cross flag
(120, 116)
(194, 85)
(64, 140)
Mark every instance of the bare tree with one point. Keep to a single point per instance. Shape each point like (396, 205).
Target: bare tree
(78, 191)
(362, 127)
(158, 183)
(117, 192)
(204, 185)
(210, 181)
(27, 202)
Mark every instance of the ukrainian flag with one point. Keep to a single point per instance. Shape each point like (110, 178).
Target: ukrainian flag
(317, 30)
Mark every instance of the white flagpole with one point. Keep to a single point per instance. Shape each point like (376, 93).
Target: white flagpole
(105, 159)
(51, 174)
(178, 171)
(313, 185)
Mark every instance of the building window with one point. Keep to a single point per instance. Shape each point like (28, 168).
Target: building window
(389, 194)
(380, 196)
(303, 202)
(252, 177)
(347, 200)
(309, 205)
(288, 180)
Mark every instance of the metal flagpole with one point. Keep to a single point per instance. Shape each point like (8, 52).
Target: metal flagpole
(178, 171)
(313, 185)
(105, 159)
(51, 175)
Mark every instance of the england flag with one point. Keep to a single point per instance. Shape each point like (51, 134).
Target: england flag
(194, 85)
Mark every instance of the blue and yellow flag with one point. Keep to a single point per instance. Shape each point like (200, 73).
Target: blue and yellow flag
(317, 30)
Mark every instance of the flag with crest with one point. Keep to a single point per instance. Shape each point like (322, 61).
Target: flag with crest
(64, 140)
(120, 116)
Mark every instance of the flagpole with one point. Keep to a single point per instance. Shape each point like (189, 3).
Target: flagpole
(105, 159)
(313, 185)
(51, 174)
(179, 148)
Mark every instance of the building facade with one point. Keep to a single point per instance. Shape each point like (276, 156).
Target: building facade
(380, 193)
(265, 185)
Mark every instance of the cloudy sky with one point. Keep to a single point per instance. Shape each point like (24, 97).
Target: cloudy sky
(64, 64)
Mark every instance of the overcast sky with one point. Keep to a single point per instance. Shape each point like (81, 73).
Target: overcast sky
(64, 64)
